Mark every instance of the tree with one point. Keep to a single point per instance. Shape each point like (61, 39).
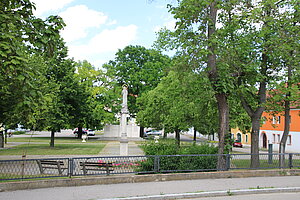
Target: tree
(15, 16)
(140, 69)
(196, 36)
(289, 52)
(23, 71)
(263, 21)
(88, 106)
(176, 104)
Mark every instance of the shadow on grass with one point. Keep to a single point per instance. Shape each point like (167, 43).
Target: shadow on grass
(58, 149)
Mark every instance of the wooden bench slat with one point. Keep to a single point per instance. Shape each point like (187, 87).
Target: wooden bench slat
(96, 166)
(51, 164)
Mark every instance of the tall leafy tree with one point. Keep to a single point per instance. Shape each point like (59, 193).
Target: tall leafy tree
(88, 105)
(176, 104)
(22, 71)
(260, 24)
(140, 69)
(198, 37)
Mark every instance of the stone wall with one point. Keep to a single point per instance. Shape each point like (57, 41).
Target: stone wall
(113, 131)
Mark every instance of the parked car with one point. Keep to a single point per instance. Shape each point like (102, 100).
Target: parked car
(237, 144)
(84, 131)
(91, 132)
(153, 132)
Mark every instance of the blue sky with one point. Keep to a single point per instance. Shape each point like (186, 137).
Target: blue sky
(96, 29)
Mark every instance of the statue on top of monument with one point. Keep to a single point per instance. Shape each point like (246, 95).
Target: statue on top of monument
(125, 94)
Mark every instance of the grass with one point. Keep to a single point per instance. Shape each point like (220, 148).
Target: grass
(245, 163)
(58, 149)
(47, 140)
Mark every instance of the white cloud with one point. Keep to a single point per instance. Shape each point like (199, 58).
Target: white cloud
(108, 41)
(168, 25)
(78, 19)
(111, 40)
(112, 22)
(43, 6)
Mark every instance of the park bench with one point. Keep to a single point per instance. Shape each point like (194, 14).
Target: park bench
(51, 164)
(96, 166)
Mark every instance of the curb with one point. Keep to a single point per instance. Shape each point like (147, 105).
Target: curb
(211, 194)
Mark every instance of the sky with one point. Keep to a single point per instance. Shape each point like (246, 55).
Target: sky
(96, 29)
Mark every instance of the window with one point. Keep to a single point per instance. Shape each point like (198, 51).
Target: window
(246, 138)
(289, 140)
(264, 120)
(239, 137)
(278, 138)
(274, 139)
(274, 120)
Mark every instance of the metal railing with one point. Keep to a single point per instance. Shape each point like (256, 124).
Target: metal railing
(88, 166)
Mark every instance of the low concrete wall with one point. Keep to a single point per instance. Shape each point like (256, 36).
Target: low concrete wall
(115, 179)
(113, 131)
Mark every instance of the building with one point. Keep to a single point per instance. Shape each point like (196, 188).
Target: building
(244, 138)
(272, 129)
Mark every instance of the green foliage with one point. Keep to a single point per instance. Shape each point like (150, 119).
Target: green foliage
(91, 98)
(139, 68)
(168, 147)
(181, 100)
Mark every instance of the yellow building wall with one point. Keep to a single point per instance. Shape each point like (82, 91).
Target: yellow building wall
(245, 137)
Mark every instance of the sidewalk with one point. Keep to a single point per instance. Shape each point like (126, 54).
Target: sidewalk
(181, 189)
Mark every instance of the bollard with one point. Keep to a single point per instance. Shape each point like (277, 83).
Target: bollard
(84, 137)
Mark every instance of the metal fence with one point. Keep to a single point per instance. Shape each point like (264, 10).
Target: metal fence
(87, 166)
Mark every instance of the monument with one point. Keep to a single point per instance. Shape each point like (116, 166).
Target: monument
(123, 123)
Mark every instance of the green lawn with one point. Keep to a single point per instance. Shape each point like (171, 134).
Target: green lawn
(47, 140)
(245, 163)
(59, 149)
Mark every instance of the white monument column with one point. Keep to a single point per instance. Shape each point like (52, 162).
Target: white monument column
(123, 123)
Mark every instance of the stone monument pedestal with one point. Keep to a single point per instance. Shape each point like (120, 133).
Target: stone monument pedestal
(124, 147)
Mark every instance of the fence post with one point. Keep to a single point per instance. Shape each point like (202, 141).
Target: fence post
(227, 162)
(290, 160)
(270, 156)
(156, 164)
(70, 166)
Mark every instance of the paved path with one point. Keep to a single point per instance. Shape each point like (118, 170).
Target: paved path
(112, 148)
(95, 192)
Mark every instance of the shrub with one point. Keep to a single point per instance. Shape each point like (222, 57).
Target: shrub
(179, 163)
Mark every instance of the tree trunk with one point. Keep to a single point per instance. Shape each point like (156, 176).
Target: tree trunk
(221, 97)
(52, 138)
(142, 130)
(255, 141)
(79, 133)
(165, 133)
(177, 136)
(1, 139)
(287, 120)
(5, 135)
(223, 128)
(195, 135)
(256, 114)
